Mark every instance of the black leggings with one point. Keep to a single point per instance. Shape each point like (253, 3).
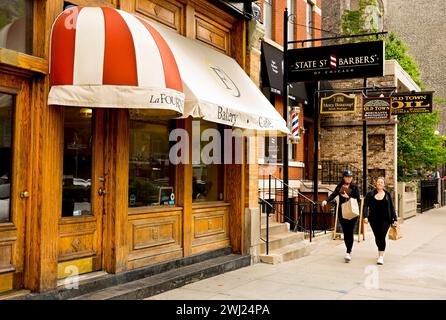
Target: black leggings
(380, 229)
(347, 229)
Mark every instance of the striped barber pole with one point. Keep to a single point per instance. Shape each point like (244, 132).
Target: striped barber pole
(104, 57)
(295, 125)
(333, 61)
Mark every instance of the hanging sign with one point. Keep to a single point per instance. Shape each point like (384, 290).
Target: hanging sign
(338, 103)
(419, 102)
(345, 61)
(376, 109)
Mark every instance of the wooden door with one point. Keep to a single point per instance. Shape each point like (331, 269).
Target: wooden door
(80, 226)
(15, 137)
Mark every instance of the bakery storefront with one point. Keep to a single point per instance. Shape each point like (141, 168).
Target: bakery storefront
(105, 148)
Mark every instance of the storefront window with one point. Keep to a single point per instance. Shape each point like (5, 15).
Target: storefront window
(6, 110)
(16, 25)
(77, 163)
(208, 179)
(151, 175)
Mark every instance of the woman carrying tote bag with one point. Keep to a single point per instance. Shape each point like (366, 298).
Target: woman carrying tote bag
(380, 212)
(346, 189)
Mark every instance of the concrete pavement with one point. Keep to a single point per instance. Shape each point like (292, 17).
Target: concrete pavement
(415, 268)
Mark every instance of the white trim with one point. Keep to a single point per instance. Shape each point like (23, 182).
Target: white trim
(317, 10)
(104, 96)
(393, 68)
(293, 164)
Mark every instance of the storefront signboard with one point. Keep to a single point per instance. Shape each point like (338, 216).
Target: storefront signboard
(338, 103)
(345, 61)
(418, 102)
(376, 109)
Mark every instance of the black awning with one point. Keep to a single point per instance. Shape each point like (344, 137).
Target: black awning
(272, 74)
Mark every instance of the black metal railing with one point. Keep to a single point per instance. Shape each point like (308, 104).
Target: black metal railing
(267, 209)
(304, 214)
(332, 172)
(443, 192)
(429, 191)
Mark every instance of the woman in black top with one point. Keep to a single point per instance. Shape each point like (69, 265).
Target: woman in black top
(346, 189)
(379, 211)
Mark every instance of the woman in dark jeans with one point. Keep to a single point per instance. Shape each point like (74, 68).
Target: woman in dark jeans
(346, 189)
(380, 212)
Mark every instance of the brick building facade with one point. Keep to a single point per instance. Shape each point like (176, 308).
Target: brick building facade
(300, 154)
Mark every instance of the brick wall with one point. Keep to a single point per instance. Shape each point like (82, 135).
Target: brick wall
(341, 136)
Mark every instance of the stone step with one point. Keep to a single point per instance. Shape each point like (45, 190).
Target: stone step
(14, 294)
(146, 287)
(275, 228)
(280, 240)
(88, 284)
(289, 252)
(272, 218)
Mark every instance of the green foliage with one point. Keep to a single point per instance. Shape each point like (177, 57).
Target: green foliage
(361, 21)
(396, 49)
(419, 148)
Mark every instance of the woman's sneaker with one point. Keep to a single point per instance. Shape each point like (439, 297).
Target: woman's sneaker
(380, 260)
(347, 257)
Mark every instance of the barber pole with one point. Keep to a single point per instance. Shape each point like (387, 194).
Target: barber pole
(295, 138)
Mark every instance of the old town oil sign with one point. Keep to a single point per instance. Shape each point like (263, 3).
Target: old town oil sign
(338, 103)
(345, 61)
(418, 102)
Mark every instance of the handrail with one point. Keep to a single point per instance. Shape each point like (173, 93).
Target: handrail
(294, 189)
(266, 202)
(267, 224)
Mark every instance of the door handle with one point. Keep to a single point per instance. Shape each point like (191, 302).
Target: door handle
(24, 194)
(102, 192)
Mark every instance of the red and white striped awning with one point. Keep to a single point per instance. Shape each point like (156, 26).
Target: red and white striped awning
(104, 57)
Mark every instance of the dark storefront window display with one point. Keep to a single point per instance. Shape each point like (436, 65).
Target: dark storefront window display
(77, 162)
(150, 171)
(6, 116)
(16, 25)
(208, 179)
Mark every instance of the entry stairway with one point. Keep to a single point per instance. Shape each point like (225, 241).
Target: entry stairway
(147, 281)
(284, 245)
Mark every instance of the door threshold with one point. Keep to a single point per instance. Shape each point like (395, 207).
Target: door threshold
(82, 277)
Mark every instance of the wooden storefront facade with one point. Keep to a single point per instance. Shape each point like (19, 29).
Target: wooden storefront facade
(38, 244)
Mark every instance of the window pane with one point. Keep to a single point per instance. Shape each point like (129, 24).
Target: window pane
(290, 5)
(268, 18)
(77, 163)
(6, 110)
(208, 179)
(309, 23)
(273, 149)
(149, 167)
(16, 25)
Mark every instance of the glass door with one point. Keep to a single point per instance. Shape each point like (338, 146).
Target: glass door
(83, 192)
(14, 180)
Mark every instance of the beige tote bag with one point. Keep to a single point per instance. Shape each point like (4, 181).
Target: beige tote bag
(350, 209)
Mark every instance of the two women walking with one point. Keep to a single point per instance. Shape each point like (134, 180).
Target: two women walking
(378, 211)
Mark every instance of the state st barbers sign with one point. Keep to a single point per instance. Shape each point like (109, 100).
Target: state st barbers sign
(345, 61)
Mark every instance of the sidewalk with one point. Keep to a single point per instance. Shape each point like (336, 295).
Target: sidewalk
(415, 268)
